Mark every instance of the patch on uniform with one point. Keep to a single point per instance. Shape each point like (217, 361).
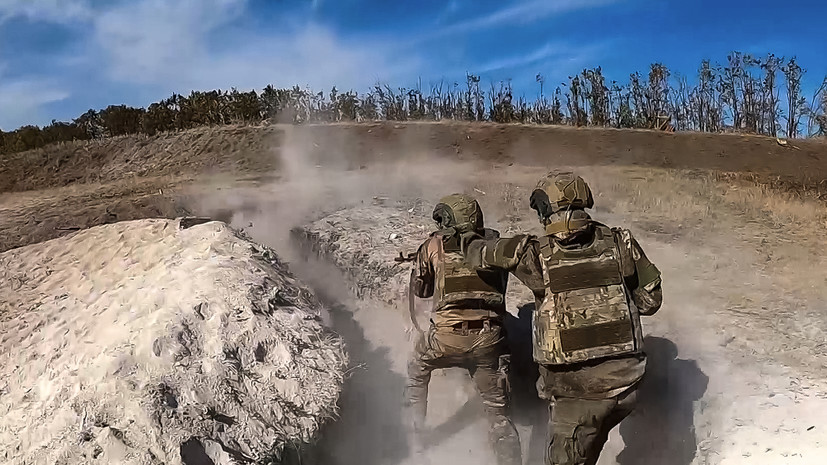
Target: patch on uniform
(509, 246)
(505, 251)
(467, 284)
(450, 244)
(602, 334)
(584, 274)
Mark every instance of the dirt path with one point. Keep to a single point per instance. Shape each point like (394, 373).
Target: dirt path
(737, 353)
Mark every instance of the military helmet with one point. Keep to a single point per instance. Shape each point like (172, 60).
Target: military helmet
(557, 196)
(460, 212)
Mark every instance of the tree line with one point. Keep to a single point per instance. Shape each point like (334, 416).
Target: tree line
(744, 94)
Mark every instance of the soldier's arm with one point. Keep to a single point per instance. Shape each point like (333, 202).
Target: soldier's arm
(642, 276)
(423, 274)
(518, 255)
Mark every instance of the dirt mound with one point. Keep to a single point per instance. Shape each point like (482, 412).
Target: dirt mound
(31, 217)
(363, 242)
(141, 342)
(197, 151)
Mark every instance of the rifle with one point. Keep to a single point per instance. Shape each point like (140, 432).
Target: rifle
(411, 296)
(405, 258)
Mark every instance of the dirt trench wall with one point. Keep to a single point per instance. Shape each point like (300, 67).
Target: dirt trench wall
(142, 342)
(363, 242)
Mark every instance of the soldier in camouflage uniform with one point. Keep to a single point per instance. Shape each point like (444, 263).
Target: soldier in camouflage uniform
(591, 284)
(466, 322)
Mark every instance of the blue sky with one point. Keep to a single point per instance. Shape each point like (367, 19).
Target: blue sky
(59, 58)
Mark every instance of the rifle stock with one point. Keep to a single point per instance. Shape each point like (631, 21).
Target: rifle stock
(405, 258)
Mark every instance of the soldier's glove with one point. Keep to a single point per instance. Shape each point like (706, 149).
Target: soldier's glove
(646, 302)
(465, 240)
(502, 371)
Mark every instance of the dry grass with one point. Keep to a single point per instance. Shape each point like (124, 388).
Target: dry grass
(198, 151)
(763, 250)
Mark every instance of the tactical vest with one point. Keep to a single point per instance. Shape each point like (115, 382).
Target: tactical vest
(586, 313)
(462, 292)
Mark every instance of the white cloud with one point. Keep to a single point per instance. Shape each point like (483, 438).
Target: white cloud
(56, 11)
(555, 60)
(450, 10)
(156, 40)
(517, 61)
(171, 45)
(21, 100)
(523, 12)
(155, 47)
(311, 55)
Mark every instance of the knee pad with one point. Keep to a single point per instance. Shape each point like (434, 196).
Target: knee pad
(570, 444)
(505, 442)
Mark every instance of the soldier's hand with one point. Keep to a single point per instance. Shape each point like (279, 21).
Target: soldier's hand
(465, 239)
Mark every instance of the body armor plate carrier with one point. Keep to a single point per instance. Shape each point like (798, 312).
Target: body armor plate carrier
(461, 292)
(586, 313)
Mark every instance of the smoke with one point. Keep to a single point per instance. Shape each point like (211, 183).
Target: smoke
(322, 171)
(325, 169)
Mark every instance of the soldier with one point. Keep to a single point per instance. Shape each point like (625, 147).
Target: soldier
(591, 283)
(466, 322)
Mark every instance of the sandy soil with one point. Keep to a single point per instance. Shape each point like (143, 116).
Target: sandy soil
(144, 343)
(735, 223)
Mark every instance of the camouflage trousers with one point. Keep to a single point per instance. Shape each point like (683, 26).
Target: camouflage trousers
(479, 352)
(579, 428)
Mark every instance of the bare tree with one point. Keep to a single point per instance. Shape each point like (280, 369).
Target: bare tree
(796, 104)
(680, 105)
(817, 112)
(729, 87)
(706, 100)
(657, 93)
(770, 66)
(557, 116)
(638, 102)
(751, 105)
(597, 96)
(574, 98)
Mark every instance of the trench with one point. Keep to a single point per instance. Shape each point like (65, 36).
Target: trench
(371, 428)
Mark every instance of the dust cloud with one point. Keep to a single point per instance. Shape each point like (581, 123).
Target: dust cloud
(703, 400)
(310, 184)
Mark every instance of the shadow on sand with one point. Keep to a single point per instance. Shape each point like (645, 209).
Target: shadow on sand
(370, 429)
(528, 409)
(661, 430)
